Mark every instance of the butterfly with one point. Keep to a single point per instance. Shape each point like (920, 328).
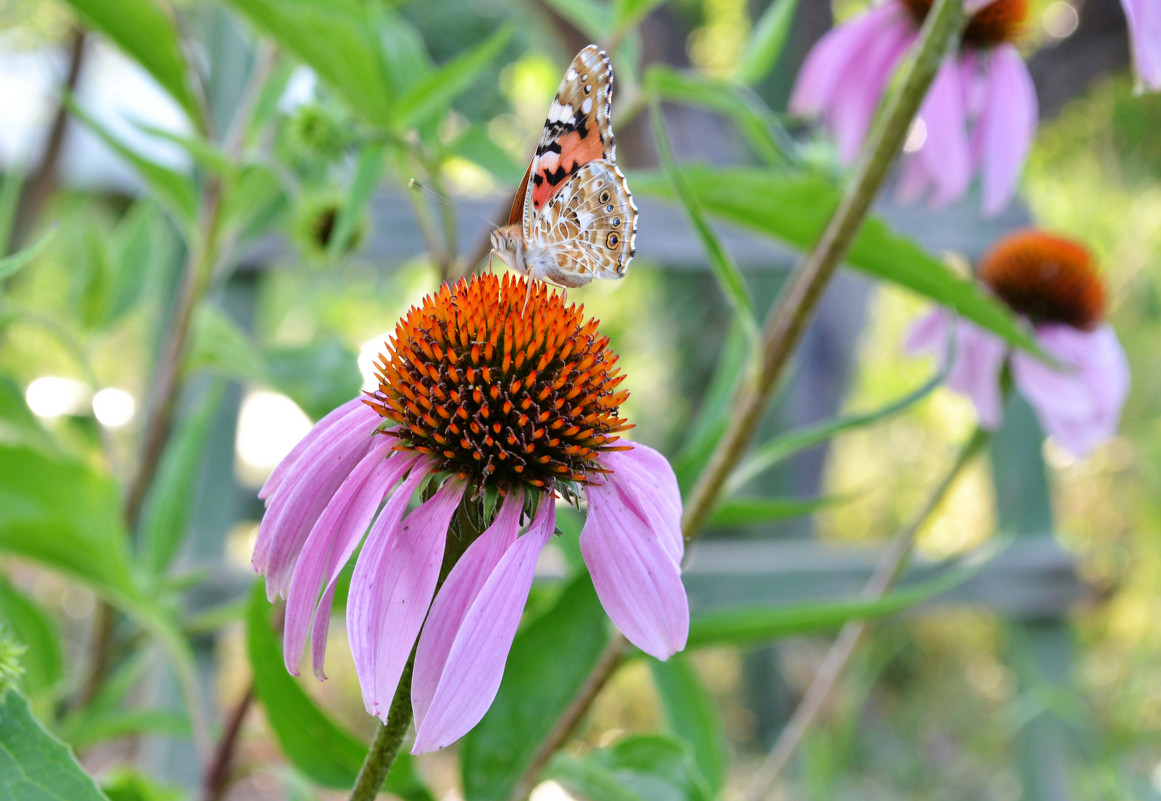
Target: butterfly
(573, 219)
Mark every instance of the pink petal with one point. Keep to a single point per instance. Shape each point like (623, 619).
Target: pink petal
(455, 599)
(637, 581)
(945, 152)
(301, 497)
(1081, 406)
(647, 484)
(1144, 18)
(828, 60)
(929, 333)
(979, 356)
(392, 587)
(475, 663)
(1005, 126)
(331, 542)
(352, 413)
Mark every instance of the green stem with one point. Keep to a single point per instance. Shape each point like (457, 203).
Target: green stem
(795, 307)
(388, 739)
(834, 665)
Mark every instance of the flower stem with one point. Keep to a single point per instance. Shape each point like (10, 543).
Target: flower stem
(788, 318)
(385, 747)
(839, 656)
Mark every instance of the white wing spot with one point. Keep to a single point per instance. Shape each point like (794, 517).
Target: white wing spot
(587, 106)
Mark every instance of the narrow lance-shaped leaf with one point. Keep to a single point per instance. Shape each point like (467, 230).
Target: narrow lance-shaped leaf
(439, 88)
(727, 273)
(766, 42)
(692, 714)
(741, 512)
(149, 37)
(797, 209)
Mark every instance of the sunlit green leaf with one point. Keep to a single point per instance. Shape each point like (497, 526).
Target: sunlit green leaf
(644, 767)
(766, 42)
(367, 172)
(317, 376)
(31, 625)
(218, 344)
(339, 40)
(549, 661)
(796, 209)
(591, 18)
(436, 91)
(149, 37)
(630, 12)
(10, 265)
(34, 765)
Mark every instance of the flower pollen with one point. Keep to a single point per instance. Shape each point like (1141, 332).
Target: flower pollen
(1046, 278)
(996, 23)
(501, 384)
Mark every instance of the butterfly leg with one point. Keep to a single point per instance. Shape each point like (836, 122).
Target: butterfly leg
(527, 295)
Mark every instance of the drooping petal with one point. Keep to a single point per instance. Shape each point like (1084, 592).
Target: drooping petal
(828, 60)
(648, 485)
(1006, 125)
(455, 599)
(331, 542)
(978, 358)
(1144, 18)
(301, 497)
(1079, 406)
(637, 581)
(352, 413)
(471, 675)
(391, 590)
(945, 152)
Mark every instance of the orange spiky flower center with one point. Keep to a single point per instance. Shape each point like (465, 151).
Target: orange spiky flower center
(1046, 278)
(996, 23)
(501, 385)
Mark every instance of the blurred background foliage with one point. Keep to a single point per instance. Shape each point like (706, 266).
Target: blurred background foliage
(268, 158)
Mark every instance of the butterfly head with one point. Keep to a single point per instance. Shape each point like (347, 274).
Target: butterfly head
(508, 244)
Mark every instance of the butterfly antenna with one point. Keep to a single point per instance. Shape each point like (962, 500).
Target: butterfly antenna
(414, 184)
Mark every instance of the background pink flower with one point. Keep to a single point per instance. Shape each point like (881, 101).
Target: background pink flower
(476, 395)
(979, 116)
(1051, 282)
(1144, 19)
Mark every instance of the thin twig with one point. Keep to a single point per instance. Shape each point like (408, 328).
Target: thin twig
(218, 773)
(837, 659)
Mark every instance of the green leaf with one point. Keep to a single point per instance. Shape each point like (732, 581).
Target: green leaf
(693, 716)
(745, 109)
(141, 253)
(34, 765)
(593, 19)
(644, 767)
(629, 12)
(310, 739)
(436, 90)
(254, 200)
(367, 172)
(173, 190)
(786, 445)
(742, 512)
(149, 37)
(123, 784)
(477, 146)
(165, 514)
(117, 723)
(30, 625)
(758, 624)
(10, 265)
(318, 376)
(549, 661)
(728, 275)
(796, 210)
(339, 40)
(11, 186)
(218, 344)
(766, 42)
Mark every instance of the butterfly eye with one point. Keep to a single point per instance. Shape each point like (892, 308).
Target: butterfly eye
(612, 240)
(510, 244)
(605, 197)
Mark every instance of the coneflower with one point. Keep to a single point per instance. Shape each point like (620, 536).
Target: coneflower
(1052, 283)
(494, 402)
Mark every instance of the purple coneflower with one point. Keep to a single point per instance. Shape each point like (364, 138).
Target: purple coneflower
(1051, 282)
(494, 410)
(979, 116)
(1144, 18)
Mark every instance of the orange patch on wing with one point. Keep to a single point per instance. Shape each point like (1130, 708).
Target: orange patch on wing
(574, 152)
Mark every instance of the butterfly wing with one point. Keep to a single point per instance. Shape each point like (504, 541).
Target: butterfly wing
(578, 130)
(587, 230)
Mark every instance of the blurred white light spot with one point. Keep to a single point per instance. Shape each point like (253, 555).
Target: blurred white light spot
(1060, 20)
(1157, 777)
(113, 407)
(549, 791)
(916, 136)
(269, 425)
(368, 354)
(51, 396)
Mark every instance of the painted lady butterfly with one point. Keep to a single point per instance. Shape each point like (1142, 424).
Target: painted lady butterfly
(574, 218)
